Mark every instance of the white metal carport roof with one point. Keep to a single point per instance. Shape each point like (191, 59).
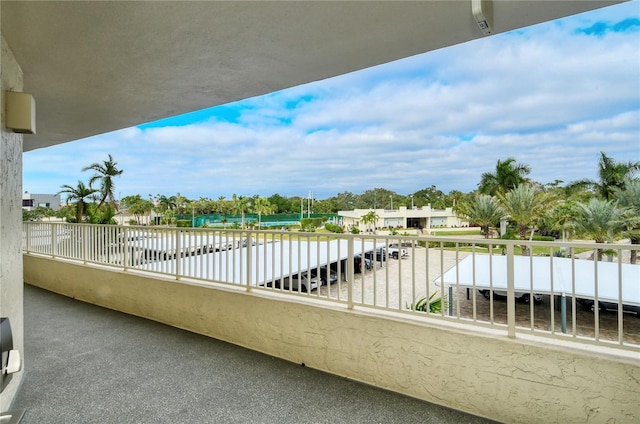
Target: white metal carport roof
(544, 275)
(270, 261)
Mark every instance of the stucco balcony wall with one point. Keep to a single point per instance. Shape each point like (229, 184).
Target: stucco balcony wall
(473, 370)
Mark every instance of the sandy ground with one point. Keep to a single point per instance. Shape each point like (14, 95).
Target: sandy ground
(418, 275)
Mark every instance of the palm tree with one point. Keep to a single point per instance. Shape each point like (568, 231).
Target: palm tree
(629, 198)
(559, 218)
(370, 218)
(105, 172)
(78, 194)
(508, 175)
(165, 203)
(524, 205)
(262, 205)
(611, 176)
(483, 211)
(600, 220)
(240, 205)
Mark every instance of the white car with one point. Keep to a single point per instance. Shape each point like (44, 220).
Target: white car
(397, 252)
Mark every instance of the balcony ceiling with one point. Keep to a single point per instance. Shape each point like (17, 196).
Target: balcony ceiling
(95, 67)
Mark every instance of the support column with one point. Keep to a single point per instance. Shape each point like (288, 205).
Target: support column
(11, 282)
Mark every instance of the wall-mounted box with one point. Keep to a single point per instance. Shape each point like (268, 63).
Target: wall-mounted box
(21, 112)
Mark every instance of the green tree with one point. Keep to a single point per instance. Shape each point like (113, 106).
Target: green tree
(629, 198)
(240, 205)
(165, 203)
(78, 195)
(37, 214)
(559, 218)
(370, 218)
(281, 204)
(483, 211)
(345, 201)
(525, 205)
(261, 205)
(137, 206)
(375, 199)
(105, 173)
(429, 195)
(611, 176)
(103, 215)
(599, 220)
(508, 175)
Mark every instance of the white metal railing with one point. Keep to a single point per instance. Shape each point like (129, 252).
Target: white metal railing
(559, 291)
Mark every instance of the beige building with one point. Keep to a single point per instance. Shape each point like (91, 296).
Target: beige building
(423, 218)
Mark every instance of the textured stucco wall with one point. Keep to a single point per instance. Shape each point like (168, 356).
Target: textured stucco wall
(11, 219)
(488, 375)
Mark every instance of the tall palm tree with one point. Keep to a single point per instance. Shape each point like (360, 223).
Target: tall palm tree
(507, 176)
(629, 198)
(240, 205)
(524, 205)
(483, 211)
(104, 173)
(78, 194)
(611, 176)
(262, 205)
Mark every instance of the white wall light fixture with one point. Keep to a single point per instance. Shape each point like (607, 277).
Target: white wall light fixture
(20, 112)
(482, 11)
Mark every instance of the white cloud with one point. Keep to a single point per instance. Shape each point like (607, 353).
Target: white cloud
(546, 95)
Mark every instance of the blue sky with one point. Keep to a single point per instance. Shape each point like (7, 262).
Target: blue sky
(552, 95)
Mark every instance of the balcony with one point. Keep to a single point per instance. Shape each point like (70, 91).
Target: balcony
(94, 365)
(483, 353)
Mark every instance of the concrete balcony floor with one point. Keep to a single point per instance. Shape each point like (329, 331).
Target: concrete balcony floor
(86, 364)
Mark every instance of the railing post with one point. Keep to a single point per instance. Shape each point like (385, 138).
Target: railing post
(125, 248)
(350, 271)
(54, 240)
(178, 255)
(511, 293)
(249, 261)
(28, 235)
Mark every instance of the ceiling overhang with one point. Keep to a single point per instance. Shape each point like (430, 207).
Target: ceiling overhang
(95, 67)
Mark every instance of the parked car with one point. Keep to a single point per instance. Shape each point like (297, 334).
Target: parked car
(360, 263)
(380, 255)
(397, 252)
(326, 276)
(299, 282)
(588, 305)
(524, 297)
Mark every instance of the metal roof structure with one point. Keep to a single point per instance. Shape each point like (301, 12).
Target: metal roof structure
(265, 262)
(546, 275)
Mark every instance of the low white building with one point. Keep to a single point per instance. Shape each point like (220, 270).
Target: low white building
(423, 218)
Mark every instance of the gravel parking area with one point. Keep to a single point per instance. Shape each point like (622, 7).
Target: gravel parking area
(418, 276)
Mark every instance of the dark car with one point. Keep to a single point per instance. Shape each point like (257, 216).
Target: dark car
(588, 304)
(359, 264)
(381, 254)
(325, 275)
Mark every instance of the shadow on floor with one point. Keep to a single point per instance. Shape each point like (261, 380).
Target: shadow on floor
(86, 364)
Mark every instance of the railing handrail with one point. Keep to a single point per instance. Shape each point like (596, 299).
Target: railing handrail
(203, 253)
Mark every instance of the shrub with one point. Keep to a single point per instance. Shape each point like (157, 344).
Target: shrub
(333, 228)
(183, 223)
(355, 230)
(431, 305)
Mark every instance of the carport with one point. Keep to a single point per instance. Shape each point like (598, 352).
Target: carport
(599, 281)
